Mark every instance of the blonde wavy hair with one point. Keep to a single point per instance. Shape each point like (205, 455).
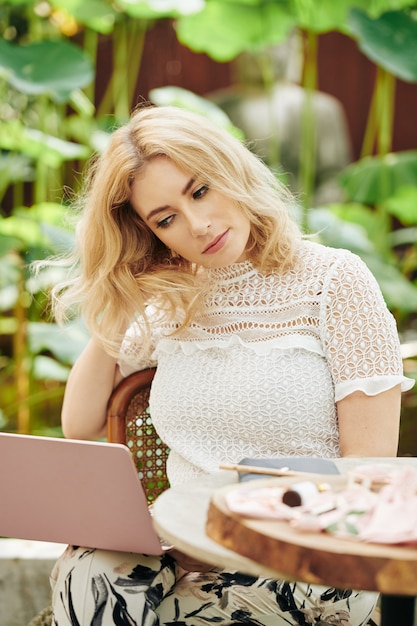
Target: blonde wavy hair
(119, 265)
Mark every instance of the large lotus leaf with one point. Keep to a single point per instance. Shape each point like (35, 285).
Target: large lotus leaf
(374, 179)
(53, 222)
(36, 229)
(333, 231)
(54, 68)
(14, 168)
(321, 16)
(45, 368)
(38, 145)
(399, 293)
(375, 8)
(8, 243)
(50, 212)
(225, 29)
(61, 240)
(353, 215)
(151, 9)
(66, 344)
(99, 15)
(17, 2)
(329, 15)
(10, 273)
(403, 237)
(185, 99)
(23, 229)
(403, 205)
(8, 297)
(389, 41)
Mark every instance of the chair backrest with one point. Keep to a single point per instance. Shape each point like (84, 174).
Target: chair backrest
(129, 422)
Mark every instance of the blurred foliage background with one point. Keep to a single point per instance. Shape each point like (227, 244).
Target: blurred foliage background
(69, 75)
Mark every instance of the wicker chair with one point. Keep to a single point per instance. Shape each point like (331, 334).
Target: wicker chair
(129, 422)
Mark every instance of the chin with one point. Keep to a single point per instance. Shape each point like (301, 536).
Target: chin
(218, 263)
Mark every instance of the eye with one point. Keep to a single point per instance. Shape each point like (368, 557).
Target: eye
(201, 192)
(165, 222)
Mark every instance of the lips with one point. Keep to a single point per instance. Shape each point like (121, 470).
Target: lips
(217, 243)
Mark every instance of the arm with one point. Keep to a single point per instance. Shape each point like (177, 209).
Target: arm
(90, 383)
(369, 425)
(364, 356)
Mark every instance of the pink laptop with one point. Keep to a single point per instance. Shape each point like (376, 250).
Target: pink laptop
(81, 493)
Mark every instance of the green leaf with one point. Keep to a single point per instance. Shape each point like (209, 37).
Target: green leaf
(45, 368)
(10, 273)
(333, 230)
(8, 243)
(14, 168)
(403, 205)
(99, 15)
(185, 99)
(359, 215)
(389, 41)
(150, 9)
(321, 16)
(52, 221)
(403, 237)
(375, 8)
(28, 227)
(66, 344)
(8, 325)
(23, 229)
(38, 145)
(54, 68)
(225, 29)
(8, 299)
(10, 267)
(324, 15)
(398, 291)
(17, 2)
(374, 179)
(50, 212)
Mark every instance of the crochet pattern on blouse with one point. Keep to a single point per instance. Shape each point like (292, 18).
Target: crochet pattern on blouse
(258, 373)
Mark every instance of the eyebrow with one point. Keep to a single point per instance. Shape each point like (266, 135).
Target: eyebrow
(187, 186)
(166, 206)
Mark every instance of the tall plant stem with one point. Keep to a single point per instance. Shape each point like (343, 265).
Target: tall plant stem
(386, 105)
(371, 124)
(127, 59)
(91, 48)
(20, 358)
(386, 111)
(308, 145)
(121, 62)
(266, 67)
(378, 139)
(137, 38)
(379, 126)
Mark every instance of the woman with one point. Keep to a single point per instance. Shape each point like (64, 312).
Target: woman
(266, 345)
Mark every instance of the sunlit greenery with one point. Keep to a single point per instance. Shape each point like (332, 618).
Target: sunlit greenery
(51, 123)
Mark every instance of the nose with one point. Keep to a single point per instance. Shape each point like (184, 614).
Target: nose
(198, 224)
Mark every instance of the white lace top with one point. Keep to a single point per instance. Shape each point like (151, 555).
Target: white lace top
(258, 374)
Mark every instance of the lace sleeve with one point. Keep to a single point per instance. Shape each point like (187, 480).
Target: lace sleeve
(135, 351)
(359, 333)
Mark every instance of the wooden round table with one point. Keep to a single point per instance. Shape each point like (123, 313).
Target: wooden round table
(318, 558)
(195, 518)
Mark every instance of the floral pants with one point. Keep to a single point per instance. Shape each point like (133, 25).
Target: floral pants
(103, 588)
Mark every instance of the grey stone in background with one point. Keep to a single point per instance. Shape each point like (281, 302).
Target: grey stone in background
(25, 567)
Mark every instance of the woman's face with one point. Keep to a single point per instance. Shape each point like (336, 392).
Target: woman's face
(196, 222)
